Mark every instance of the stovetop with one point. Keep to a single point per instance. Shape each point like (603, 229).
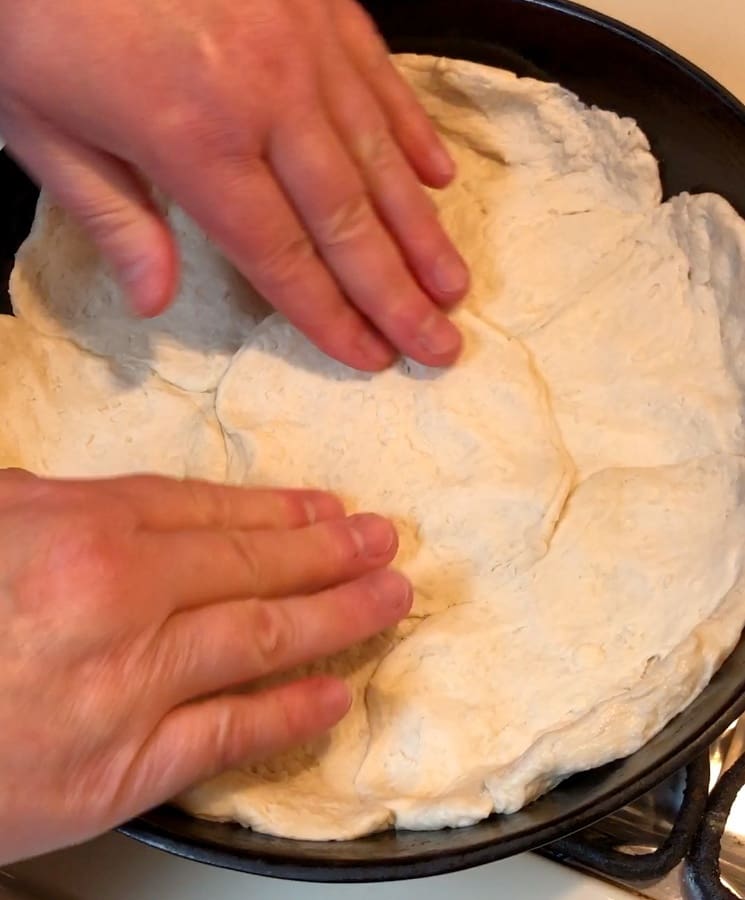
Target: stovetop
(685, 839)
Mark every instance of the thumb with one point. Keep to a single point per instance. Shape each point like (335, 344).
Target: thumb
(110, 202)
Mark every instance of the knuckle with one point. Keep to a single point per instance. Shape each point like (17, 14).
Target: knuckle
(248, 559)
(293, 510)
(85, 563)
(218, 118)
(212, 505)
(408, 324)
(231, 736)
(80, 539)
(351, 220)
(261, 41)
(81, 562)
(210, 133)
(89, 545)
(273, 634)
(92, 533)
(377, 150)
(167, 654)
(280, 69)
(285, 260)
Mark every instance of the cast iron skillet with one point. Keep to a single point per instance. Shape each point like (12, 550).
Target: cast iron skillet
(697, 131)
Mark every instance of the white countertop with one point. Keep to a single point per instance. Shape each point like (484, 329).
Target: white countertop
(712, 35)
(110, 869)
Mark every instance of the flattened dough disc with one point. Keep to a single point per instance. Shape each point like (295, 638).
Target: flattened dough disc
(68, 413)
(63, 288)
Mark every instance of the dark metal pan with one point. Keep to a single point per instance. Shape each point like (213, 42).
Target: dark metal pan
(697, 130)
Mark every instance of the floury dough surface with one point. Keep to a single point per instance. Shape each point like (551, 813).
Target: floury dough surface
(436, 451)
(570, 497)
(62, 287)
(71, 414)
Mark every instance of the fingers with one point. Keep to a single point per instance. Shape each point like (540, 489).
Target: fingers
(201, 567)
(332, 200)
(163, 504)
(199, 740)
(397, 194)
(262, 235)
(14, 485)
(13, 475)
(219, 647)
(111, 205)
(408, 121)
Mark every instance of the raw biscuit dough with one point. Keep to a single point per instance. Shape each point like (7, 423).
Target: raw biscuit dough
(625, 359)
(592, 623)
(70, 414)
(541, 178)
(407, 443)
(570, 498)
(63, 288)
(309, 792)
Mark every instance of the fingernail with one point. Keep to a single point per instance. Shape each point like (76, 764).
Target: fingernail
(375, 349)
(450, 274)
(442, 162)
(320, 507)
(144, 286)
(335, 695)
(373, 535)
(439, 336)
(393, 589)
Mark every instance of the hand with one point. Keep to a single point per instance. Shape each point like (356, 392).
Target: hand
(279, 125)
(128, 606)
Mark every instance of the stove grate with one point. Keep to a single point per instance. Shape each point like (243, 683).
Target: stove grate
(604, 856)
(694, 839)
(703, 872)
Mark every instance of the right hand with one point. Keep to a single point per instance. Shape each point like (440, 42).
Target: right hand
(281, 126)
(129, 608)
